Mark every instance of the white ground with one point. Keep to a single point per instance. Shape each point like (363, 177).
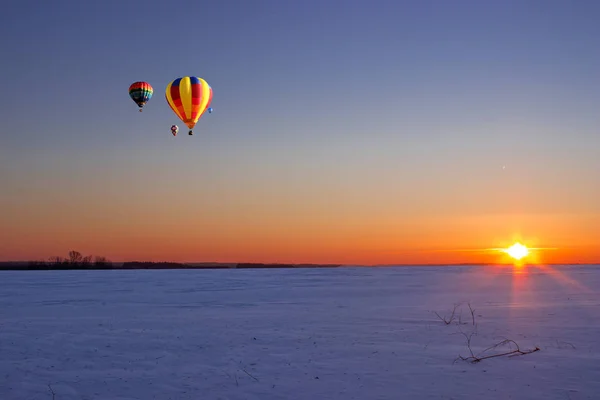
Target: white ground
(315, 334)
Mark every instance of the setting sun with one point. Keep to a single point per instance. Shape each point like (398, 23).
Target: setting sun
(518, 254)
(517, 251)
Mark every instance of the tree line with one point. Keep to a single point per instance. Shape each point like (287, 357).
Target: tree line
(74, 260)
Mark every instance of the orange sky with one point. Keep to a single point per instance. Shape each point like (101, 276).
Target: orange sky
(240, 230)
(423, 213)
(414, 211)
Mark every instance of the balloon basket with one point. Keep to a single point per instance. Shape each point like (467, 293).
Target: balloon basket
(190, 133)
(141, 110)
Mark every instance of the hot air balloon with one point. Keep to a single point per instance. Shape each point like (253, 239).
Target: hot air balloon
(210, 110)
(141, 93)
(174, 130)
(189, 97)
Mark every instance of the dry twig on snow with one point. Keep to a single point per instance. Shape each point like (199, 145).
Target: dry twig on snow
(452, 316)
(472, 313)
(477, 358)
(560, 343)
(473, 358)
(52, 391)
(250, 375)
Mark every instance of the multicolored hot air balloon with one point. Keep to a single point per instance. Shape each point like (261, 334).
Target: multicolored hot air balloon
(174, 130)
(189, 97)
(141, 93)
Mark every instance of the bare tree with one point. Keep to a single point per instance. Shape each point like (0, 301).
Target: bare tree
(86, 261)
(98, 260)
(101, 261)
(56, 260)
(75, 257)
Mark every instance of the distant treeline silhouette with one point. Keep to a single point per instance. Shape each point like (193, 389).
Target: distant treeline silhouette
(76, 260)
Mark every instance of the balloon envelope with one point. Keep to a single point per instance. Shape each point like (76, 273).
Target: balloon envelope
(174, 130)
(189, 97)
(141, 93)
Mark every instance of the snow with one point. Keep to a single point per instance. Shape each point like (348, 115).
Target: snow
(340, 333)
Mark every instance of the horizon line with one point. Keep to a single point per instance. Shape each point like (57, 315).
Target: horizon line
(320, 264)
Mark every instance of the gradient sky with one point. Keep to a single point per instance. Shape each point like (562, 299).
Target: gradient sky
(343, 131)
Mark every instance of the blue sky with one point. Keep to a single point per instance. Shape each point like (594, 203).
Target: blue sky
(351, 93)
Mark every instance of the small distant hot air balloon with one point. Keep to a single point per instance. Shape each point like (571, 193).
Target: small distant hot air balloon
(210, 110)
(174, 130)
(140, 93)
(189, 97)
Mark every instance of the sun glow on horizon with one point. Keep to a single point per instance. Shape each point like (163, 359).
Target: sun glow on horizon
(513, 252)
(517, 251)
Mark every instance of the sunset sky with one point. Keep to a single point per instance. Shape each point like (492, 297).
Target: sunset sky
(343, 131)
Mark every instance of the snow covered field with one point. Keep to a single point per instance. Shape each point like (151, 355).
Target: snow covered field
(318, 334)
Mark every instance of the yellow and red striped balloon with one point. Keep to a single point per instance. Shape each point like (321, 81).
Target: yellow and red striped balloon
(189, 97)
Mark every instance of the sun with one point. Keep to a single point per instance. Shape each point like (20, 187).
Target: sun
(517, 251)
